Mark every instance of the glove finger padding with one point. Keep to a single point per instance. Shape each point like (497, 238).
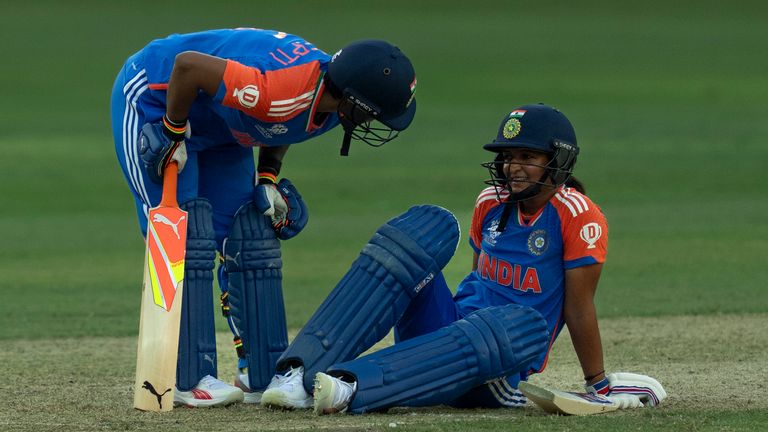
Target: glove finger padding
(625, 400)
(297, 215)
(648, 390)
(269, 201)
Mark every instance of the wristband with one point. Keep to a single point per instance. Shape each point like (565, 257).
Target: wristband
(266, 178)
(591, 377)
(602, 387)
(174, 131)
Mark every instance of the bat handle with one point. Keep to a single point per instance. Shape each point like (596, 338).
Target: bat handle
(170, 182)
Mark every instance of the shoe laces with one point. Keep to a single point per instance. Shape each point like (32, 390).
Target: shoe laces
(293, 376)
(212, 383)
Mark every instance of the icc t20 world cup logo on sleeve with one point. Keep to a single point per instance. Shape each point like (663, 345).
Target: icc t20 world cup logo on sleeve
(591, 233)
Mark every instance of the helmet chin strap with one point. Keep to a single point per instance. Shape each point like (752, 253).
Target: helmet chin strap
(514, 198)
(345, 143)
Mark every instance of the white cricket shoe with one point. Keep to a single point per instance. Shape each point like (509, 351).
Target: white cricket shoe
(249, 396)
(332, 395)
(287, 391)
(209, 392)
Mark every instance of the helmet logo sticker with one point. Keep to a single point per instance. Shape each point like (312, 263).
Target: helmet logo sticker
(247, 96)
(512, 128)
(538, 242)
(591, 233)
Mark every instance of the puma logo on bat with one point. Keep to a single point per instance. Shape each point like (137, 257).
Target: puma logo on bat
(148, 385)
(164, 220)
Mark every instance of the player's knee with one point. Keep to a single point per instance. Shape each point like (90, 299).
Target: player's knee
(201, 237)
(422, 237)
(251, 242)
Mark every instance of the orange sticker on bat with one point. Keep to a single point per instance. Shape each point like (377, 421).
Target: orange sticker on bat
(166, 243)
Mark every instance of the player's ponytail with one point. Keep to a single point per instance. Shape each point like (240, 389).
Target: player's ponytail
(575, 183)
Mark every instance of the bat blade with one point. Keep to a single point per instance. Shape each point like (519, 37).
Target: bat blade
(161, 295)
(565, 403)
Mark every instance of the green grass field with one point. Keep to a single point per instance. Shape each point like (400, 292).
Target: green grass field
(668, 101)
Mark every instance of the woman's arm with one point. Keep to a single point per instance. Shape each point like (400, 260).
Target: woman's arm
(581, 319)
(192, 72)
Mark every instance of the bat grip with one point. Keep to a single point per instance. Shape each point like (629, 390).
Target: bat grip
(170, 182)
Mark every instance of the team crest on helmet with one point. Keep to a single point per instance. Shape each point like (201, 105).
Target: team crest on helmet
(538, 242)
(511, 128)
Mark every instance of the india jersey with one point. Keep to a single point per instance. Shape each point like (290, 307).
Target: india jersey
(268, 96)
(526, 263)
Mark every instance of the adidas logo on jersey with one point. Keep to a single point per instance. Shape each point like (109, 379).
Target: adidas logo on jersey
(286, 107)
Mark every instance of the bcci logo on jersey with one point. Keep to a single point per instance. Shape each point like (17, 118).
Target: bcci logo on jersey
(492, 233)
(538, 242)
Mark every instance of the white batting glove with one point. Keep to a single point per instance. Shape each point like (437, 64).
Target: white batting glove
(271, 202)
(625, 384)
(603, 389)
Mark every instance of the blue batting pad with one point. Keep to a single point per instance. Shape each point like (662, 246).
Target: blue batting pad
(253, 266)
(497, 393)
(437, 367)
(197, 336)
(402, 257)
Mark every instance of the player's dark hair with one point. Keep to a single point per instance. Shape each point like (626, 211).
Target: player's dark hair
(575, 183)
(332, 88)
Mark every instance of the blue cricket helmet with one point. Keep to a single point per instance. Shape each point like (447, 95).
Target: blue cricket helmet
(375, 81)
(537, 127)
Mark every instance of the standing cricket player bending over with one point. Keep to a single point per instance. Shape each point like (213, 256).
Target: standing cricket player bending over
(539, 245)
(205, 100)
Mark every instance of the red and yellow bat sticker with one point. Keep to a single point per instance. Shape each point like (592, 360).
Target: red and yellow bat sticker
(166, 245)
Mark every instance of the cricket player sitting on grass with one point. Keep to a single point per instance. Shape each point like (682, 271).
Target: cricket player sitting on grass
(539, 245)
(205, 100)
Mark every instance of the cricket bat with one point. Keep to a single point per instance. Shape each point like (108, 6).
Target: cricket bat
(161, 295)
(565, 403)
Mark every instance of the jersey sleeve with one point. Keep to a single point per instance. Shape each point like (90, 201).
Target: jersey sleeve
(584, 229)
(269, 96)
(487, 200)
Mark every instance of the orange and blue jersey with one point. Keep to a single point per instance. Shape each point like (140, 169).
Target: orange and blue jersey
(268, 96)
(526, 263)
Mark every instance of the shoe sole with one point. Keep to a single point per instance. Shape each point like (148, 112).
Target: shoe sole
(210, 403)
(324, 395)
(274, 400)
(252, 397)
